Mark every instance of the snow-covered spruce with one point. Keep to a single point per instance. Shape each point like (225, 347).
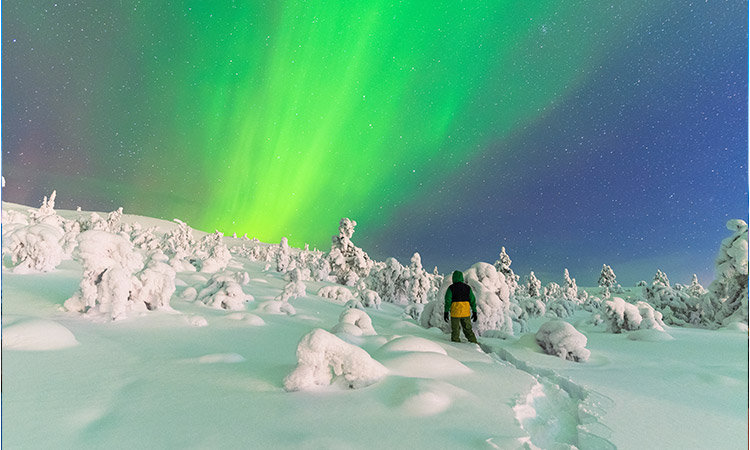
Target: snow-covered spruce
(223, 291)
(730, 288)
(561, 339)
(324, 359)
(503, 266)
(338, 293)
(349, 263)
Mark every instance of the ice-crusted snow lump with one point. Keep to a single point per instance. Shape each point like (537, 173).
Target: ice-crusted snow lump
(559, 338)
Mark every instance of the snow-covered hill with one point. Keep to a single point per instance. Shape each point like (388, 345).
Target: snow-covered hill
(212, 368)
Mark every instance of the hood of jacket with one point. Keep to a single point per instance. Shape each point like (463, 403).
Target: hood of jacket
(458, 276)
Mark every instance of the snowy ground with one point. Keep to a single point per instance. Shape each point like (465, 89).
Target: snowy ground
(204, 378)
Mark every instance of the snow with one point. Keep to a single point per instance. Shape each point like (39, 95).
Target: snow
(192, 375)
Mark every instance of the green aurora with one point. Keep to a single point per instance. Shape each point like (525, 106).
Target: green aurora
(283, 117)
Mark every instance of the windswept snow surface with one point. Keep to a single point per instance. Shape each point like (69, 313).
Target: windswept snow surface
(196, 377)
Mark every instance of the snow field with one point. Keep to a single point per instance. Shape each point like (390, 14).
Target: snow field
(207, 368)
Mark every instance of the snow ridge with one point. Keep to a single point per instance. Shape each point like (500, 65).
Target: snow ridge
(558, 413)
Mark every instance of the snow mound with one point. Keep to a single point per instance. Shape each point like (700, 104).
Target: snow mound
(324, 359)
(561, 339)
(277, 307)
(250, 319)
(37, 335)
(411, 344)
(429, 398)
(355, 322)
(196, 321)
(226, 358)
(650, 335)
(425, 365)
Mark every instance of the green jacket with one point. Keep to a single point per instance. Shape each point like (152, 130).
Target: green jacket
(459, 309)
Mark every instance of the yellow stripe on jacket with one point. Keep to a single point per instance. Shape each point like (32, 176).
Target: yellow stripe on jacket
(460, 309)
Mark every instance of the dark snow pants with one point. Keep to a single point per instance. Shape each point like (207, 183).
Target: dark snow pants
(465, 323)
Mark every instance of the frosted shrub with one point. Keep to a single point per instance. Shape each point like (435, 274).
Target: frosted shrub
(368, 297)
(155, 284)
(294, 288)
(414, 311)
(35, 248)
(621, 316)
(323, 359)
(561, 339)
(214, 255)
(354, 322)
(338, 293)
(650, 318)
(109, 264)
(224, 292)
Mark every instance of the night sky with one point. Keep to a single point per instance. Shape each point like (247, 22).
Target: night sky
(574, 133)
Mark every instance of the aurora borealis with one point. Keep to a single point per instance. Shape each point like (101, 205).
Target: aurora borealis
(572, 133)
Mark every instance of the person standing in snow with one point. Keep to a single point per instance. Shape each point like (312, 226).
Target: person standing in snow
(461, 305)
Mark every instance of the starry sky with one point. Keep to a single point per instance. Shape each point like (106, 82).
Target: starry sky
(574, 134)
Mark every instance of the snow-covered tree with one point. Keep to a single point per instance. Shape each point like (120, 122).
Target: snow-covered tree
(283, 256)
(349, 263)
(534, 285)
(154, 285)
(294, 287)
(570, 288)
(696, 289)
(213, 254)
(34, 248)
(418, 283)
(660, 279)
(730, 288)
(46, 213)
(493, 301)
(607, 278)
(109, 267)
(223, 291)
(389, 280)
(503, 266)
